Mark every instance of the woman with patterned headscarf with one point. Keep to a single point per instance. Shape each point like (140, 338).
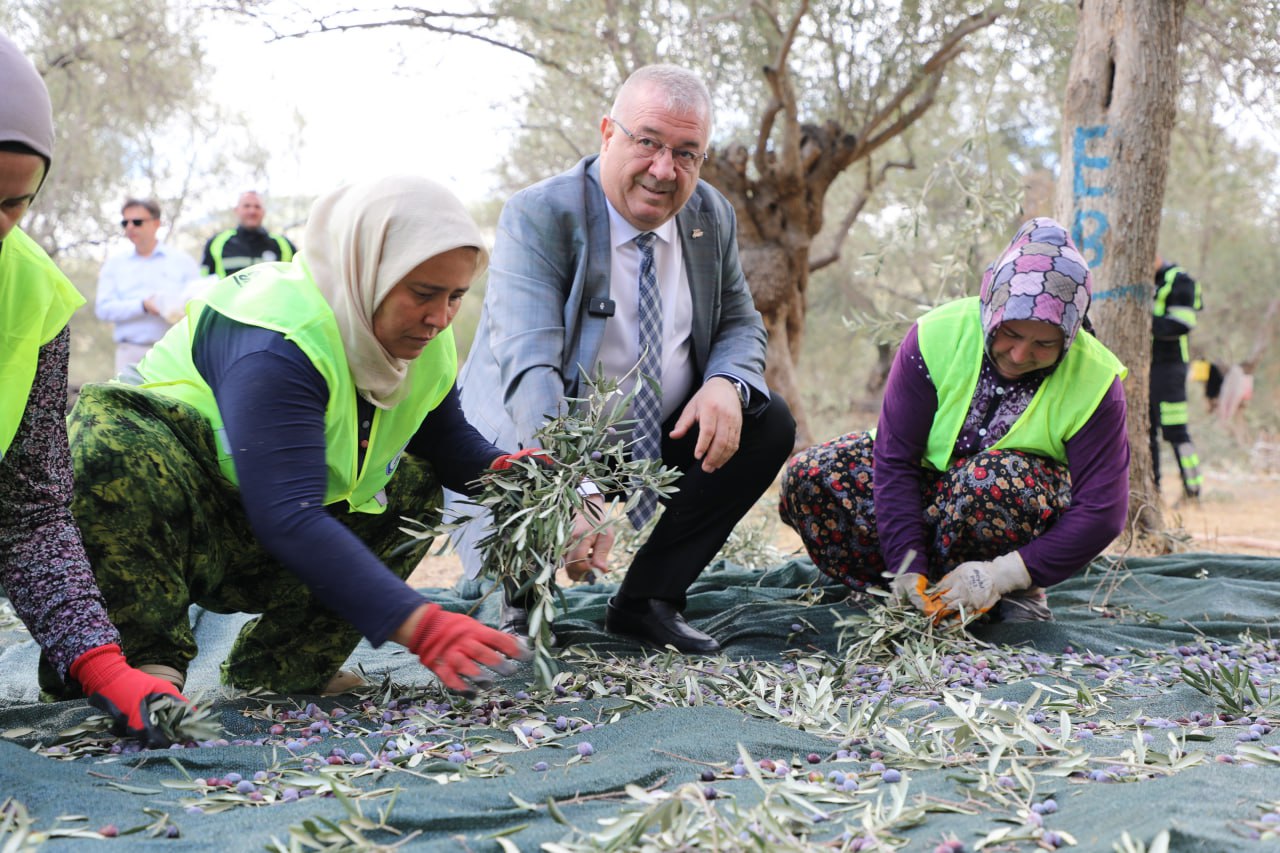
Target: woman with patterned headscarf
(43, 568)
(1001, 462)
(281, 431)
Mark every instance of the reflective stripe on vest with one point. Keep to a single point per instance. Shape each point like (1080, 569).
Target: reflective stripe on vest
(1182, 313)
(953, 344)
(219, 243)
(283, 298)
(36, 301)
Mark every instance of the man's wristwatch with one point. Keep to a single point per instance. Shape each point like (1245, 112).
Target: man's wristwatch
(744, 391)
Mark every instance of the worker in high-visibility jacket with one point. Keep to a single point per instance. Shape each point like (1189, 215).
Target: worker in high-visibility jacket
(1173, 317)
(230, 251)
(43, 566)
(280, 432)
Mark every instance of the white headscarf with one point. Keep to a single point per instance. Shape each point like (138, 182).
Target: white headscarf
(360, 241)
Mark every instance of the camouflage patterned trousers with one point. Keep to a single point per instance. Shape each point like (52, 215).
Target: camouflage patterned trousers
(164, 529)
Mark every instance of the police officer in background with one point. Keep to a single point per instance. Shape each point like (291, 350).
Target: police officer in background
(247, 244)
(1177, 303)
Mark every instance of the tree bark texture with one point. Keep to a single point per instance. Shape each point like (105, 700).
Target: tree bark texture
(779, 212)
(778, 188)
(1118, 115)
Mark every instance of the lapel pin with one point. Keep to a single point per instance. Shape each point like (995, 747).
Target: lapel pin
(697, 232)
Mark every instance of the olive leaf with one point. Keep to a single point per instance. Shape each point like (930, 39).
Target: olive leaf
(181, 722)
(533, 507)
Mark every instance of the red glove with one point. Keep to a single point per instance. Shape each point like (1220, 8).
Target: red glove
(122, 692)
(503, 462)
(451, 645)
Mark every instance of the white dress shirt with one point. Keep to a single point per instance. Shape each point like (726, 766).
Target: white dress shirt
(127, 280)
(620, 346)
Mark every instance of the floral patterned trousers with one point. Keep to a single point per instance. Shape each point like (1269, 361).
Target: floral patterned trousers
(981, 507)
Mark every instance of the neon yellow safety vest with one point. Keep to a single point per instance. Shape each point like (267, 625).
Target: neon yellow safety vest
(1186, 315)
(952, 343)
(284, 298)
(219, 243)
(36, 301)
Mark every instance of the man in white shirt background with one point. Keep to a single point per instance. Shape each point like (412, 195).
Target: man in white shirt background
(136, 289)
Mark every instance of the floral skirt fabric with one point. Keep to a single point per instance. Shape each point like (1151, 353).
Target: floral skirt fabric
(981, 507)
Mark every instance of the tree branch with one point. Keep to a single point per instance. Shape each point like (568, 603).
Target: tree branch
(870, 183)
(791, 132)
(930, 76)
(423, 19)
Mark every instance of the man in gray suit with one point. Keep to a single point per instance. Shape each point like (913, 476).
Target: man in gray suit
(575, 259)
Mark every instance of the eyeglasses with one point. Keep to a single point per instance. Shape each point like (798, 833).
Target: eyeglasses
(137, 223)
(685, 159)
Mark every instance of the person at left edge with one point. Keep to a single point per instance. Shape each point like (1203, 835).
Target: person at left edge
(281, 430)
(43, 567)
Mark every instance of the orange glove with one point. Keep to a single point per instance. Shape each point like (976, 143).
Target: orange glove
(122, 692)
(451, 645)
(505, 461)
(910, 586)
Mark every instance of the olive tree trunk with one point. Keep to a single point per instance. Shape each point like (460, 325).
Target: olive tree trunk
(778, 186)
(1118, 114)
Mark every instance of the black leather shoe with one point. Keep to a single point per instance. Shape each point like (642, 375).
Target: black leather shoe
(660, 625)
(513, 620)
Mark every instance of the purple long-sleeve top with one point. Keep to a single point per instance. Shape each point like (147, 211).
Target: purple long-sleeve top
(43, 567)
(1097, 459)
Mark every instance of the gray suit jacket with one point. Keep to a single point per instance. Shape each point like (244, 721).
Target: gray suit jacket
(538, 339)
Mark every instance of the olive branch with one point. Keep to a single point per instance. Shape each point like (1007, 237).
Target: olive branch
(533, 507)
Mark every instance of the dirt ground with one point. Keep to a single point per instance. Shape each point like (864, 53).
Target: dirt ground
(1237, 514)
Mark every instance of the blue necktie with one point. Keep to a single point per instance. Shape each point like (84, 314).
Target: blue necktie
(647, 406)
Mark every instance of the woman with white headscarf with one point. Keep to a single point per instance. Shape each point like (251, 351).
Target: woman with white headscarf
(1000, 465)
(280, 432)
(42, 562)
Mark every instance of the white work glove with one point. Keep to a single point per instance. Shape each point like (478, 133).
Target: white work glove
(910, 586)
(978, 586)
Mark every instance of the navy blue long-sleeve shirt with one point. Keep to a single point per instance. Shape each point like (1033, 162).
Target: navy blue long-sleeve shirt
(272, 401)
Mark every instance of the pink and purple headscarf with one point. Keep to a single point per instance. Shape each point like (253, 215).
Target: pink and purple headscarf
(1040, 276)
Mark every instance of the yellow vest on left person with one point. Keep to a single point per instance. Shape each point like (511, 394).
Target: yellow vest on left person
(36, 301)
(283, 298)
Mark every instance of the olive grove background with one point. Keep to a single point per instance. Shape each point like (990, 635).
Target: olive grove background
(878, 154)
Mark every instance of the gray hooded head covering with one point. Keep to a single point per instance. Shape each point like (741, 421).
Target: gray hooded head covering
(26, 114)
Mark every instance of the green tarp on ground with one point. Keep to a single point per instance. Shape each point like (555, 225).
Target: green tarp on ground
(1109, 666)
